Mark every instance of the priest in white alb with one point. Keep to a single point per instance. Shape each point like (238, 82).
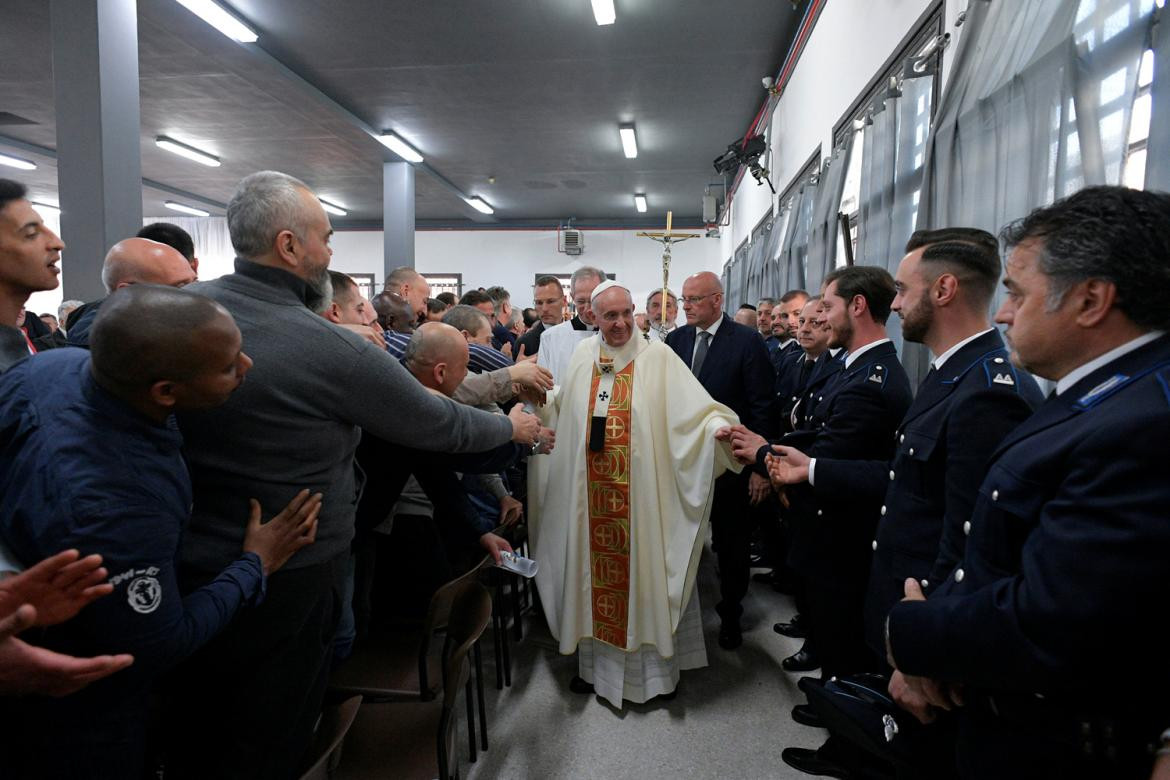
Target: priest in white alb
(619, 517)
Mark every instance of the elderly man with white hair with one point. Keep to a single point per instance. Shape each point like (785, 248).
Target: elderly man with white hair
(619, 520)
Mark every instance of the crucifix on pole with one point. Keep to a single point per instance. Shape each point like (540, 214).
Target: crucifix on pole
(667, 239)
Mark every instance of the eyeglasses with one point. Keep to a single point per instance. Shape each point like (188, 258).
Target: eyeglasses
(693, 299)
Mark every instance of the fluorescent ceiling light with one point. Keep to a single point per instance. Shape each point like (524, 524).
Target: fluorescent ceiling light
(604, 12)
(333, 208)
(479, 204)
(629, 140)
(640, 202)
(49, 207)
(185, 150)
(221, 19)
(400, 147)
(17, 162)
(185, 209)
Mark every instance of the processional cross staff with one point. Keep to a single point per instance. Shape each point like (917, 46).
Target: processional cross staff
(667, 239)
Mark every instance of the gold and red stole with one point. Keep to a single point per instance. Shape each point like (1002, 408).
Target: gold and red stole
(609, 512)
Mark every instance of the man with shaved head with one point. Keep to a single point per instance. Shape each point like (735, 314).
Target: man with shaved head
(437, 356)
(256, 691)
(624, 533)
(132, 261)
(105, 419)
(731, 362)
(413, 287)
(397, 319)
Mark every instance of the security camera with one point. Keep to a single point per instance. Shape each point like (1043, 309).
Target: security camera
(768, 82)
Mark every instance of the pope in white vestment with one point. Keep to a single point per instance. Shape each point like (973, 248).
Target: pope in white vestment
(619, 510)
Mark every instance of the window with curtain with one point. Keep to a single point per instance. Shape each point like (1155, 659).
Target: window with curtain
(796, 210)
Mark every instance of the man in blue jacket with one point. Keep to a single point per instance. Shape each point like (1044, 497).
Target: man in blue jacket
(1064, 580)
(89, 458)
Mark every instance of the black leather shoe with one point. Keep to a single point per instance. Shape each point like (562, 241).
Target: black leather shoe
(810, 763)
(730, 635)
(578, 685)
(766, 577)
(805, 715)
(804, 661)
(792, 629)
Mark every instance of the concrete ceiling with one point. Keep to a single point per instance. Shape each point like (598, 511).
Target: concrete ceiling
(528, 92)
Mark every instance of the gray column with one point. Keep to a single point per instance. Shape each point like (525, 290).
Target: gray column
(99, 165)
(397, 215)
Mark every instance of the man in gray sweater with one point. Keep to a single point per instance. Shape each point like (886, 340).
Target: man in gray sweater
(245, 706)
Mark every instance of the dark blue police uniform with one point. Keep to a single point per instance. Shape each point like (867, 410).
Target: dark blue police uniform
(1054, 620)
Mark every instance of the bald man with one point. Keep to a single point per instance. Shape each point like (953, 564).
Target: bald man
(413, 287)
(623, 534)
(102, 420)
(437, 356)
(731, 362)
(131, 261)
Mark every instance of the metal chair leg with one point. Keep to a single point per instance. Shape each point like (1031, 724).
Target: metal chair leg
(470, 723)
(483, 739)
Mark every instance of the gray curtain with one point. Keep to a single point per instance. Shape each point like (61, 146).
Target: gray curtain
(1158, 151)
(791, 262)
(822, 242)
(1037, 107)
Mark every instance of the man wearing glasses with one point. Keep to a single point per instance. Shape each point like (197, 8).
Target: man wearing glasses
(558, 342)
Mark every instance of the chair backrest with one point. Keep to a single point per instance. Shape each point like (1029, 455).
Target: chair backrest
(438, 612)
(335, 723)
(471, 610)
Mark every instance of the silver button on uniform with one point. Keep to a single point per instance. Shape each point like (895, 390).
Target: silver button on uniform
(995, 495)
(959, 575)
(874, 545)
(891, 475)
(967, 528)
(911, 450)
(883, 510)
(925, 584)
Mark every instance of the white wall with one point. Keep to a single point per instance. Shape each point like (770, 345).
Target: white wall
(848, 45)
(512, 258)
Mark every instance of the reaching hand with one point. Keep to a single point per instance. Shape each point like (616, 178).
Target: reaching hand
(758, 489)
(369, 333)
(277, 540)
(526, 396)
(511, 511)
(525, 426)
(787, 466)
(546, 441)
(57, 588)
(922, 697)
(494, 545)
(745, 444)
(25, 668)
(530, 375)
(506, 349)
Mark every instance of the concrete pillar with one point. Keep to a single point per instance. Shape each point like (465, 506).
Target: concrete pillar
(397, 215)
(99, 165)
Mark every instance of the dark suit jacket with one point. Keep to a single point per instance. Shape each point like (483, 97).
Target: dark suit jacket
(854, 418)
(958, 417)
(736, 371)
(789, 389)
(530, 340)
(1065, 566)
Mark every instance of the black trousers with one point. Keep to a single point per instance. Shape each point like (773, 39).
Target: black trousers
(731, 530)
(245, 705)
(836, 627)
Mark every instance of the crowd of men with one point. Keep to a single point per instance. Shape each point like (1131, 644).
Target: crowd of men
(198, 480)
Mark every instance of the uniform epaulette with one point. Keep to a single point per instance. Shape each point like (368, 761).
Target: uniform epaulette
(999, 370)
(1116, 382)
(876, 373)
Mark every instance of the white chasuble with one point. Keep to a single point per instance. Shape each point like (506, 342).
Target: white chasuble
(618, 530)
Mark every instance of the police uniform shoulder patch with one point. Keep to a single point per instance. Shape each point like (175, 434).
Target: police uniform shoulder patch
(999, 372)
(877, 374)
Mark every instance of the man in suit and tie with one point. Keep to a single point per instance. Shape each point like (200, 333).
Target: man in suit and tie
(731, 362)
(1064, 575)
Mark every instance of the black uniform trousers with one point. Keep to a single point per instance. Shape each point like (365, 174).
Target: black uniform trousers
(245, 705)
(731, 530)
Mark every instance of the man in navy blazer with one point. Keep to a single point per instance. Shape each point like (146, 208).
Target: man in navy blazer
(731, 362)
(1064, 580)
